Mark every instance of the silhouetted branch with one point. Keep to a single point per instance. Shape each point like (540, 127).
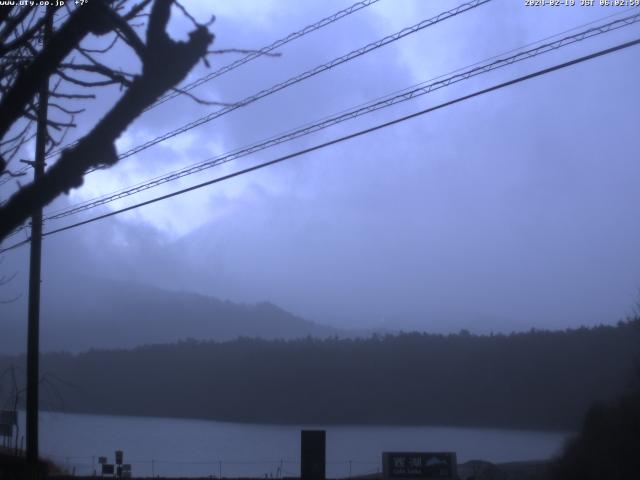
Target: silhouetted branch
(136, 10)
(201, 100)
(113, 76)
(88, 19)
(85, 83)
(165, 63)
(101, 50)
(243, 51)
(72, 96)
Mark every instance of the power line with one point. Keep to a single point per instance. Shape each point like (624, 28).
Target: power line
(497, 56)
(359, 133)
(296, 79)
(15, 245)
(252, 56)
(405, 95)
(213, 161)
(264, 50)
(308, 74)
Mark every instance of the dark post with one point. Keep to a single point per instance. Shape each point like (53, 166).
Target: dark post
(33, 332)
(313, 453)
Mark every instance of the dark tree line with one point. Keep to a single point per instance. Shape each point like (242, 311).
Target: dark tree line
(538, 380)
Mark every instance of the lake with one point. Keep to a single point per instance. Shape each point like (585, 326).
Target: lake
(181, 447)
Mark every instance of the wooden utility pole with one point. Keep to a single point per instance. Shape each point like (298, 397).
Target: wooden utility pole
(33, 332)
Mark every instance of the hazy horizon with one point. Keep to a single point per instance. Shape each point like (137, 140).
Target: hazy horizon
(507, 212)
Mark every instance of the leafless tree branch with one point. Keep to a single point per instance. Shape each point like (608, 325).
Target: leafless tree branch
(165, 63)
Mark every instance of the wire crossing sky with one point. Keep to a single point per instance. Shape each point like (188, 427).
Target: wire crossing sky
(465, 7)
(183, 89)
(412, 93)
(511, 211)
(342, 139)
(268, 49)
(499, 58)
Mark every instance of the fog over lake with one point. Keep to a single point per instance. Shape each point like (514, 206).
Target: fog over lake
(175, 447)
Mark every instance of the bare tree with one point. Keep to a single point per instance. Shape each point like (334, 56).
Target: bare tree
(75, 71)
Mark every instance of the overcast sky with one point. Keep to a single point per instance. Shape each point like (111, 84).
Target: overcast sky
(513, 210)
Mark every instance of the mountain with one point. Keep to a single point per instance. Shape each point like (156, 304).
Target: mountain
(83, 313)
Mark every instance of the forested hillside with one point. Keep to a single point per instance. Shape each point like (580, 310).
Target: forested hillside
(537, 380)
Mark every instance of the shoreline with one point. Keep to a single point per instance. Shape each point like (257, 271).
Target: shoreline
(511, 428)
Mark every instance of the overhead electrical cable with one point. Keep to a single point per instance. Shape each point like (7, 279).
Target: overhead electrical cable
(465, 7)
(403, 96)
(264, 50)
(305, 75)
(252, 56)
(359, 133)
(211, 162)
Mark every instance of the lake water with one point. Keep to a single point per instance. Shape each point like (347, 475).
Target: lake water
(179, 447)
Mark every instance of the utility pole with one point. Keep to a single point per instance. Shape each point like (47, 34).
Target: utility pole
(33, 332)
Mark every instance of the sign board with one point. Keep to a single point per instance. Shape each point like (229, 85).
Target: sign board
(6, 430)
(107, 469)
(126, 467)
(118, 457)
(8, 417)
(419, 465)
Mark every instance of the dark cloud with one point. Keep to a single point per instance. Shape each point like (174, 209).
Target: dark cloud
(510, 211)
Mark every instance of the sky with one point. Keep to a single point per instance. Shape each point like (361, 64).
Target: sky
(510, 211)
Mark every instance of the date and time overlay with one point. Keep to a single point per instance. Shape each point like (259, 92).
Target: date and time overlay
(527, 3)
(581, 3)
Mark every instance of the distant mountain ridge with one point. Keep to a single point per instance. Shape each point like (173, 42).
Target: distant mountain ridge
(100, 314)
